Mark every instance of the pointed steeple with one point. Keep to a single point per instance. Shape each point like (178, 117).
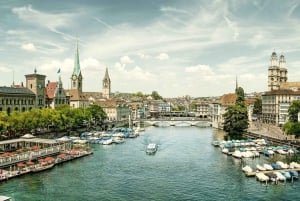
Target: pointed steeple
(76, 70)
(236, 84)
(106, 76)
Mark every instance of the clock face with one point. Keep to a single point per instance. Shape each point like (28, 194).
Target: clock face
(74, 77)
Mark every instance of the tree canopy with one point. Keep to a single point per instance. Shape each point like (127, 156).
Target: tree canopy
(236, 117)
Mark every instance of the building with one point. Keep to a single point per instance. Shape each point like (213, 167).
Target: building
(36, 83)
(115, 110)
(80, 99)
(275, 105)
(55, 94)
(106, 86)
(16, 98)
(280, 94)
(277, 72)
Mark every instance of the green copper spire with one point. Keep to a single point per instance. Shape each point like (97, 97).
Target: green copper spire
(76, 69)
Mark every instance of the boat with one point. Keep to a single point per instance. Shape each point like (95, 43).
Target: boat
(268, 167)
(151, 148)
(294, 165)
(287, 175)
(294, 174)
(276, 166)
(261, 177)
(247, 169)
(42, 168)
(107, 142)
(5, 198)
(272, 176)
(280, 177)
(260, 168)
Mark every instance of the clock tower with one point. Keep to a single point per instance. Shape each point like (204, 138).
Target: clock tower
(76, 78)
(106, 85)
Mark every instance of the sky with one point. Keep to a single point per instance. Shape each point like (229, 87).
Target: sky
(175, 47)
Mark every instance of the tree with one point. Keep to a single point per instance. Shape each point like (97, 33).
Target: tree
(96, 113)
(236, 117)
(293, 126)
(156, 96)
(293, 111)
(257, 108)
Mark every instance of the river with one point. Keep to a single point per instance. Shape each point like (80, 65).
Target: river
(185, 167)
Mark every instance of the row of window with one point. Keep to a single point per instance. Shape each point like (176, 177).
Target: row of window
(16, 101)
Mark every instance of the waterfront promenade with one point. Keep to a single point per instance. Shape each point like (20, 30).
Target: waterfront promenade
(272, 132)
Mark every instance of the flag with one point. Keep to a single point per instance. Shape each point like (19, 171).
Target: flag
(58, 70)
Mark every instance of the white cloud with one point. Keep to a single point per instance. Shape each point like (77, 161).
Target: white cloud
(163, 56)
(201, 69)
(29, 47)
(4, 69)
(126, 60)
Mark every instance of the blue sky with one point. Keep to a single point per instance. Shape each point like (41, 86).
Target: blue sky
(175, 47)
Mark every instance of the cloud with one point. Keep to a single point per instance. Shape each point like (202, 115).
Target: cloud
(28, 47)
(163, 56)
(201, 69)
(4, 69)
(126, 60)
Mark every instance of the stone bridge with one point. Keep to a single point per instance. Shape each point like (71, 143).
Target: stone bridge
(173, 122)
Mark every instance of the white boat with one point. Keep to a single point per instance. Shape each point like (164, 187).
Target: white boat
(262, 177)
(260, 168)
(237, 154)
(118, 140)
(294, 165)
(5, 198)
(107, 142)
(282, 164)
(225, 150)
(151, 148)
(268, 167)
(280, 177)
(247, 169)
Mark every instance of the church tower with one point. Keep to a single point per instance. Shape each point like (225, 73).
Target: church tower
(273, 73)
(76, 78)
(283, 69)
(106, 85)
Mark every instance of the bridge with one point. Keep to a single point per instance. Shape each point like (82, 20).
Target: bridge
(180, 121)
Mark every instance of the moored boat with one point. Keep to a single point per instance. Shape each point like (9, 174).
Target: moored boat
(42, 168)
(294, 174)
(261, 177)
(260, 168)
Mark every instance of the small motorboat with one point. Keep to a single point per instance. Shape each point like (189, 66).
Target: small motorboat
(151, 148)
(260, 168)
(287, 175)
(247, 169)
(268, 167)
(261, 177)
(294, 174)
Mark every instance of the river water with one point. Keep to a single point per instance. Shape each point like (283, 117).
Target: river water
(185, 167)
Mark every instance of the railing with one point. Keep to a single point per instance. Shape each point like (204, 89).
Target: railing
(30, 155)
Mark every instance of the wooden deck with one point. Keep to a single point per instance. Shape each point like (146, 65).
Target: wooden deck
(252, 174)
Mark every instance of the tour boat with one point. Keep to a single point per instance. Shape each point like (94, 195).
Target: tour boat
(151, 148)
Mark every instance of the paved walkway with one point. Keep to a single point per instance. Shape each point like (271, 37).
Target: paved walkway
(269, 130)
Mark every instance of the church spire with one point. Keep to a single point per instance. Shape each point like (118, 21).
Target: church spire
(236, 84)
(106, 76)
(76, 70)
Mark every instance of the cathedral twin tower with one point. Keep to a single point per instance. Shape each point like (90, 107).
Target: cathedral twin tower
(277, 72)
(76, 78)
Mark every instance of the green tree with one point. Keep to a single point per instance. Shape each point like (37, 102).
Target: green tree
(293, 111)
(236, 117)
(96, 113)
(156, 96)
(257, 108)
